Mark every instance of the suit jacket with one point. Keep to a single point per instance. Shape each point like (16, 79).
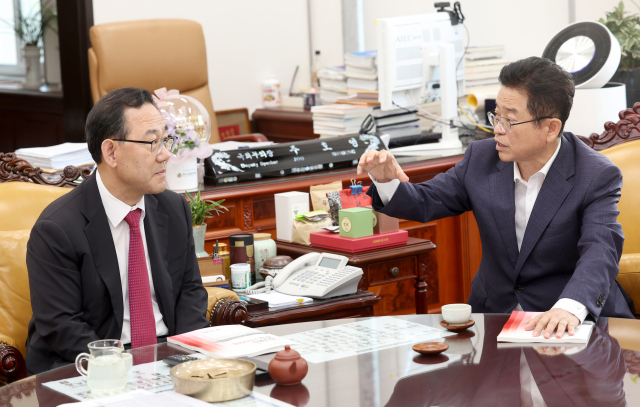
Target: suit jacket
(592, 377)
(572, 243)
(74, 279)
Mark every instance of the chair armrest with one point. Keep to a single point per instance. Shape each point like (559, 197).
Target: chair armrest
(224, 307)
(248, 137)
(12, 365)
(629, 277)
(630, 263)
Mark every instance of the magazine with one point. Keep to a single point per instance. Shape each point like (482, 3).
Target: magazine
(230, 341)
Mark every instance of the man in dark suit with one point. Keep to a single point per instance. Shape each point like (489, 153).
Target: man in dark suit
(114, 258)
(545, 203)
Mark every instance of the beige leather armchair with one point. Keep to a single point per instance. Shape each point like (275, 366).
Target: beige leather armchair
(20, 206)
(627, 157)
(152, 54)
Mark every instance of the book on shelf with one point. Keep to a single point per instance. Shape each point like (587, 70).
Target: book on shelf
(365, 59)
(341, 110)
(329, 97)
(361, 73)
(333, 84)
(361, 84)
(353, 123)
(230, 341)
(513, 331)
(360, 101)
(334, 74)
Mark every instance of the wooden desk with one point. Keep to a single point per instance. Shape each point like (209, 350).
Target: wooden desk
(474, 371)
(451, 267)
(357, 305)
(389, 272)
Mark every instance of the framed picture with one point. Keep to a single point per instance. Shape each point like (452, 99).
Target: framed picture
(233, 123)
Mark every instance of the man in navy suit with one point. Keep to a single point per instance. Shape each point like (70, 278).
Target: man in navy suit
(545, 203)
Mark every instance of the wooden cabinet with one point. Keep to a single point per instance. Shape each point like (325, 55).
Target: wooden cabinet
(385, 271)
(449, 269)
(30, 119)
(283, 124)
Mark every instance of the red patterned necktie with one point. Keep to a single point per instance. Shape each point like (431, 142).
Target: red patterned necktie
(143, 324)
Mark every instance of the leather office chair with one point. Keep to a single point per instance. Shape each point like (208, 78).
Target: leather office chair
(627, 157)
(620, 142)
(152, 54)
(21, 203)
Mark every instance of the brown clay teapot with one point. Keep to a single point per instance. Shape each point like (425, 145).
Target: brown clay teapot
(288, 368)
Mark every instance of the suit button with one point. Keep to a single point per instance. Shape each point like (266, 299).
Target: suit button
(599, 303)
(519, 288)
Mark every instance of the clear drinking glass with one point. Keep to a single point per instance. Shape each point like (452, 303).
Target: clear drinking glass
(107, 366)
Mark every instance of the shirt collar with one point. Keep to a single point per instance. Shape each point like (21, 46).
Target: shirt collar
(544, 170)
(116, 209)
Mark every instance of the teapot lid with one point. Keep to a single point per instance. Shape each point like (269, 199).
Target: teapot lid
(287, 354)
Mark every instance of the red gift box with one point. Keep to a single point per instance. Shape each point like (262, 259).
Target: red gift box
(334, 241)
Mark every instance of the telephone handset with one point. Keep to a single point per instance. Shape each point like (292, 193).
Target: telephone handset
(317, 275)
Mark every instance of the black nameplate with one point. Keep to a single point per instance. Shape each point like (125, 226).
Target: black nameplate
(284, 159)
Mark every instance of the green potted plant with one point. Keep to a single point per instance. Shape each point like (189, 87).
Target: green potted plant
(626, 28)
(30, 29)
(200, 211)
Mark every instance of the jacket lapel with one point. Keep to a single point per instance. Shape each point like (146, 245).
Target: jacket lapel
(156, 233)
(101, 243)
(504, 207)
(555, 189)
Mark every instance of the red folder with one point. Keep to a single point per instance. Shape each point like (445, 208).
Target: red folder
(334, 241)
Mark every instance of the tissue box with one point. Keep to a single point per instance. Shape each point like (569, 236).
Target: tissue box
(356, 222)
(384, 224)
(288, 205)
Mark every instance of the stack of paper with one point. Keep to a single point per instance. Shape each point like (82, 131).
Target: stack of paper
(339, 119)
(57, 157)
(279, 300)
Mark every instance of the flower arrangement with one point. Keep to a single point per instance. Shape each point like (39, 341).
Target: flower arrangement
(201, 209)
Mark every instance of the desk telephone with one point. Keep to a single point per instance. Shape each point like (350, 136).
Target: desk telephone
(316, 275)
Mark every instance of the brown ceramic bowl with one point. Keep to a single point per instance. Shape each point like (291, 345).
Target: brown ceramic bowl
(430, 348)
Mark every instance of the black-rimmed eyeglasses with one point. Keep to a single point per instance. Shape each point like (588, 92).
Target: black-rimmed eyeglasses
(505, 124)
(156, 145)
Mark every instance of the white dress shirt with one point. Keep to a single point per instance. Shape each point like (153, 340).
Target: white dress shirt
(526, 193)
(116, 212)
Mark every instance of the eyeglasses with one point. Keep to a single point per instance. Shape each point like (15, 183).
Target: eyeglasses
(156, 145)
(505, 124)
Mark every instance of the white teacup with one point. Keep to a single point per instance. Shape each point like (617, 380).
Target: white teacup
(456, 313)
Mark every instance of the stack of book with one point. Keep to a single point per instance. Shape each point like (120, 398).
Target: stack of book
(397, 122)
(482, 67)
(339, 119)
(361, 70)
(333, 84)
